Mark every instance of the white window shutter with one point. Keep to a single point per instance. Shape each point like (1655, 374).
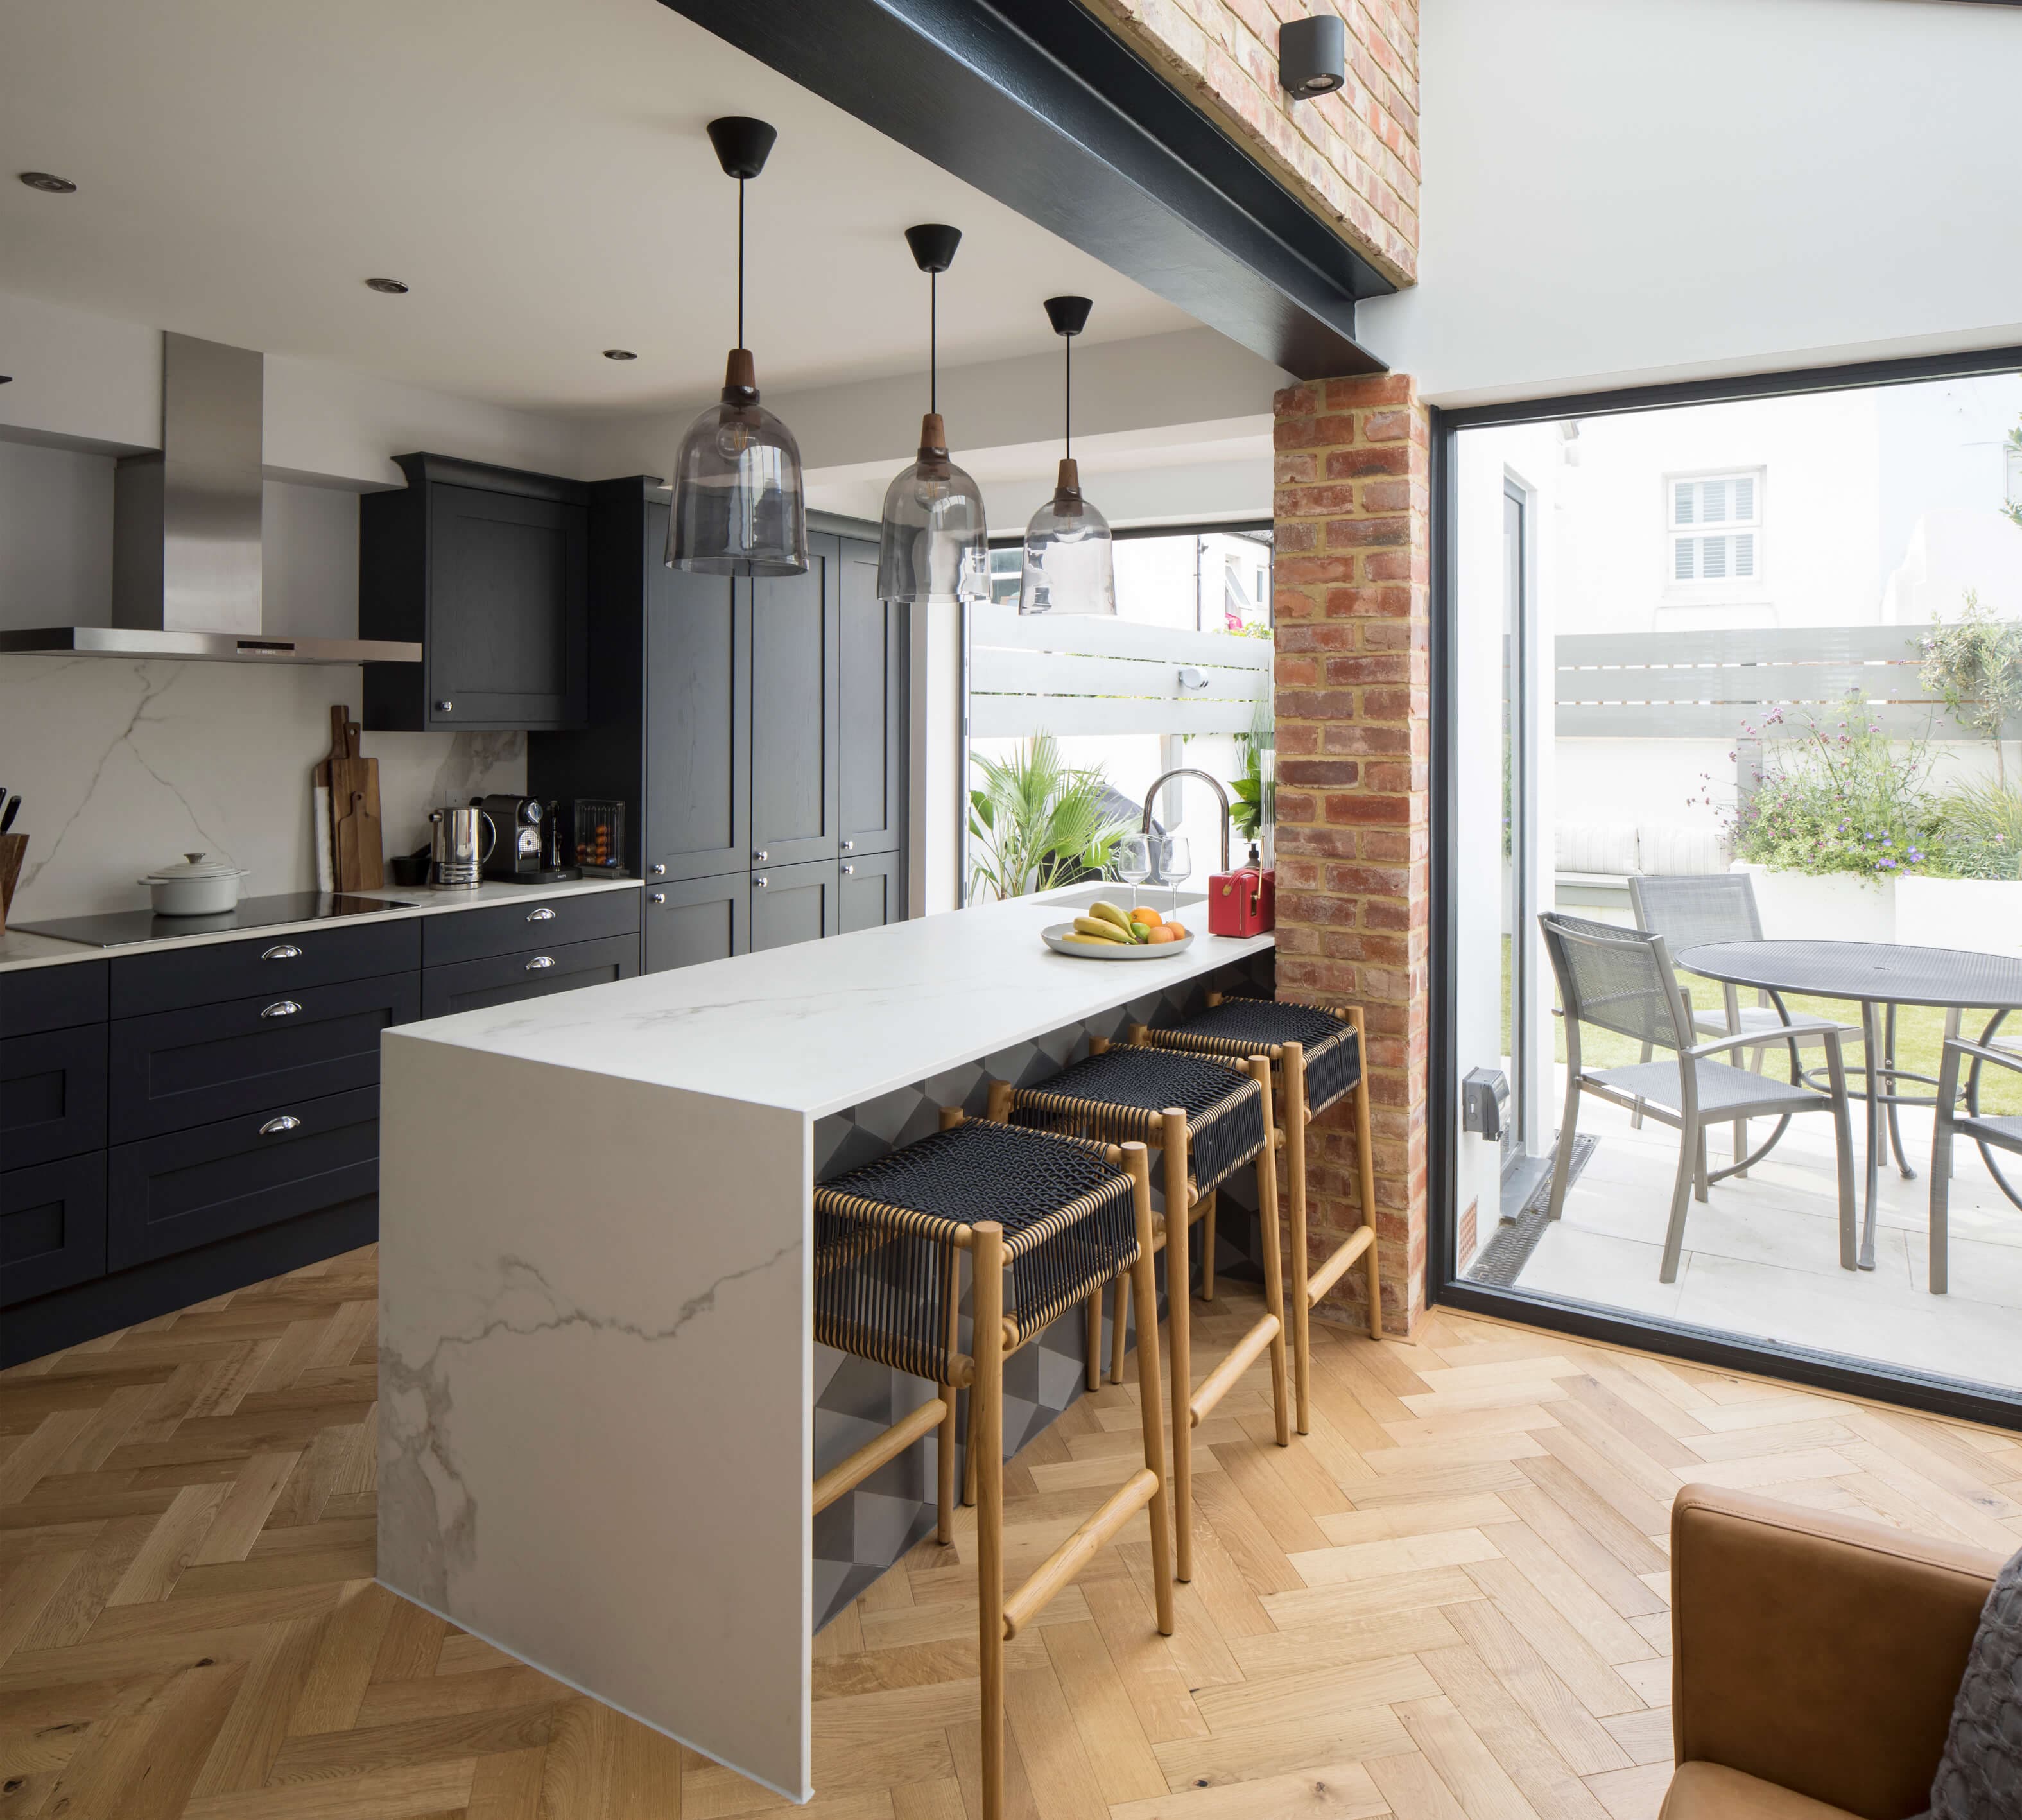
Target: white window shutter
(1744, 555)
(1682, 560)
(1681, 503)
(1744, 498)
(1713, 559)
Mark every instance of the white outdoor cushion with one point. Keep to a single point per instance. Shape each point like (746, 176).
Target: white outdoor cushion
(1596, 846)
(1672, 850)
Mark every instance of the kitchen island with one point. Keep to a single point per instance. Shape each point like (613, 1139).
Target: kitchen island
(598, 1377)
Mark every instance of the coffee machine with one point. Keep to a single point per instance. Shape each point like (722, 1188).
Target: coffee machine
(514, 858)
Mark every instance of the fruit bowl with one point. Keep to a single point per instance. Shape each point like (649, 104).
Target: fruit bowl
(1056, 936)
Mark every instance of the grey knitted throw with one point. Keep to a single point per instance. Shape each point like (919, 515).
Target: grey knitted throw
(1979, 1776)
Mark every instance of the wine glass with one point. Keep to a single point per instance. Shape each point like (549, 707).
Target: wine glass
(1176, 864)
(1132, 862)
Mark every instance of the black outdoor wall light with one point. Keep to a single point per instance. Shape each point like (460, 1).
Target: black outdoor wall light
(1312, 54)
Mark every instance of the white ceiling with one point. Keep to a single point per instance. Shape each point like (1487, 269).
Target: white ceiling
(537, 172)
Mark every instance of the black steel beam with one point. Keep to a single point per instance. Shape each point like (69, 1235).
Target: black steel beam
(1039, 105)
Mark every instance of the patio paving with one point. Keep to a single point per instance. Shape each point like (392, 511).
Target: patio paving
(1761, 1254)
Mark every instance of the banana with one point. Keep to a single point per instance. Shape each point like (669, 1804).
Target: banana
(1093, 941)
(1095, 927)
(1110, 913)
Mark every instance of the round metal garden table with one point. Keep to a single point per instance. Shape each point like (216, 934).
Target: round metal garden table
(1877, 975)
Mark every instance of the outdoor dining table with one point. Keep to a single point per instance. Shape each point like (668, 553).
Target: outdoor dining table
(1876, 974)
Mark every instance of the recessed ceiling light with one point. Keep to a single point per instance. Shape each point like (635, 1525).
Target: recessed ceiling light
(392, 286)
(619, 354)
(42, 180)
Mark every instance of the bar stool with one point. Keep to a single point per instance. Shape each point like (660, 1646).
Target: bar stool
(1059, 1216)
(1208, 1116)
(1317, 1053)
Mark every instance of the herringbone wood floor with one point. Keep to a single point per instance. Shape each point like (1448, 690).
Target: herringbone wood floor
(1449, 1601)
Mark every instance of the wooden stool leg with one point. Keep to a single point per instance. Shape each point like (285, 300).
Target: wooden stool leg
(1119, 1318)
(1293, 1071)
(1139, 1165)
(944, 1451)
(1179, 1290)
(985, 1449)
(998, 1110)
(1094, 1347)
(1274, 1279)
(1207, 1248)
(1365, 1158)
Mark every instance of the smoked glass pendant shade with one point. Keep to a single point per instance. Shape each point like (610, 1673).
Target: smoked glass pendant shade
(739, 505)
(1069, 565)
(933, 543)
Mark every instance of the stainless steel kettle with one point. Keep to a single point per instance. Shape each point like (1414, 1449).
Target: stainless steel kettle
(460, 842)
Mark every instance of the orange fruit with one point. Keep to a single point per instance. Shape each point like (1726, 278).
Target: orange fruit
(1164, 933)
(1179, 930)
(1145, 914)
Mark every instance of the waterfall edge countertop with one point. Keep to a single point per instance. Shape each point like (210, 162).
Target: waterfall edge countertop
(596, 1356)
(824, 1024)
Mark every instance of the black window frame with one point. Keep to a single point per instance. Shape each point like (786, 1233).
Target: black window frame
(1824, 1371)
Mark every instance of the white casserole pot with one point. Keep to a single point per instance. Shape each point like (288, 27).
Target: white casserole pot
(200, 887)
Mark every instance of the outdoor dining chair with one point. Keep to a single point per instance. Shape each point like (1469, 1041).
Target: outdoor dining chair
(1984, 1129)
(1691, 909)
(1621, 980)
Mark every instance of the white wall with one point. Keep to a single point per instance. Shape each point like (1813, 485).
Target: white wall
(1631, 190)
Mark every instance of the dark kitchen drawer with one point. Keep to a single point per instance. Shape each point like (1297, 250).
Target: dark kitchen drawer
(473, 984)
(693, 920)
(52, 1226)
(520, 928)
(215, 1181)
(179, 1069)
(275, 964)
(52, 1095)
(51, 998)
(872, 891)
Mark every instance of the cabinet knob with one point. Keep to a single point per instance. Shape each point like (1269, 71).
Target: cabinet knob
(656, 897)
(282, 951)
(848, 870)
(444, 707)
(281, 1008)
(286, 1122)
(659, 871)
(543, 915)
(538, 961)
(758, 853)
(849, 846)
(762, 882)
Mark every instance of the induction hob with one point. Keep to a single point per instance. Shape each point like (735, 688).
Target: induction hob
(123, 928)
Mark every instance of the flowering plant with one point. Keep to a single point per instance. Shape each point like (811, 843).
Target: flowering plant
(1837, 797)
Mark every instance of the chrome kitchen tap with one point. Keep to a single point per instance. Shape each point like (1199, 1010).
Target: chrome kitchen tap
(1213, 783)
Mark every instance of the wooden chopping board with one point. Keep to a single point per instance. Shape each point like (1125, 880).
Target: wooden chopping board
(354, 803)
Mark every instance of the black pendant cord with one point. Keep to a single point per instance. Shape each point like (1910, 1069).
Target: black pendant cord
(740, 261)
(1067, 406)
(933, 344)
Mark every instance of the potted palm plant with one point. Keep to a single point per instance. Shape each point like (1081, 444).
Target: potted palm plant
(1036, 821)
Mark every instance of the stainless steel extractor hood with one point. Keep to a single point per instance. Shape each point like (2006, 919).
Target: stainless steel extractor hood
(186, 578)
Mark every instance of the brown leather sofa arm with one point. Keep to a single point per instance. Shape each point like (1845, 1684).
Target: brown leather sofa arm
(1817, 1652)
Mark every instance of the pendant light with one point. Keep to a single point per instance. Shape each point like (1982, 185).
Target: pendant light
(740, 508)
(933, 543)
(1068, 551)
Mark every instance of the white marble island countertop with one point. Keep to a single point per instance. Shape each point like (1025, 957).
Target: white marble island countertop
(822, 1026)
(597, 1347)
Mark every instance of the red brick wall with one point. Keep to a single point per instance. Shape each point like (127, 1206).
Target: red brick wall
(1354, 744)
(1353, 154)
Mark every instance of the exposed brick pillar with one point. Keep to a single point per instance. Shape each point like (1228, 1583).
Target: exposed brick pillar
(1354, 745)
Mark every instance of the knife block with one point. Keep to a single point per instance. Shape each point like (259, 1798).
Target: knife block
(13, 850)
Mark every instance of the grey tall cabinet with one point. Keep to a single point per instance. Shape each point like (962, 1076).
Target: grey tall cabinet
(755, 730)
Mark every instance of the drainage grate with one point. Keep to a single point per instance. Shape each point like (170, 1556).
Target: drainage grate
(1503, 1258)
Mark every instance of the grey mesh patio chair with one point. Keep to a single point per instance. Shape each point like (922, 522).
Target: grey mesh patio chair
(1688, 910)
(1986, 1129)
(1622, 980)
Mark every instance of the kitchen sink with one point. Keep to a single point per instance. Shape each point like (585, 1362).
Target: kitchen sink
(1156, 896)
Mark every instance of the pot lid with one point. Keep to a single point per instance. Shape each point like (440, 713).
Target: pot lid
(195, 866)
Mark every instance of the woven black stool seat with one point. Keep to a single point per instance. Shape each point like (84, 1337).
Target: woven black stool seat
(1240, 1027)
(1131, 1087)
(885, 1233)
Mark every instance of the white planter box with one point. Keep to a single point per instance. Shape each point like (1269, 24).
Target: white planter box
(1796, 906)
(1985, 914)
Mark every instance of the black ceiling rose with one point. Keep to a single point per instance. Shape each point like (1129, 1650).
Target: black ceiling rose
(1040, 105)
(741, 145)
(933, 244)
(1068, 315)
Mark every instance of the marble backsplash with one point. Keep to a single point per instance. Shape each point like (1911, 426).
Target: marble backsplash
(123, 766)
